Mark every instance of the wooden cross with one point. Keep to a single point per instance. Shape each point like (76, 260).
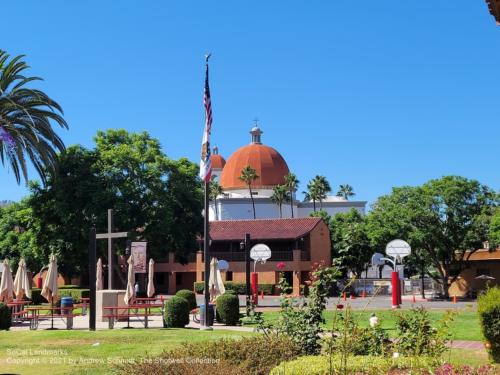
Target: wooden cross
(109, 236)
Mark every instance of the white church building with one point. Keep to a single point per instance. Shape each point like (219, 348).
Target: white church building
(271, 168)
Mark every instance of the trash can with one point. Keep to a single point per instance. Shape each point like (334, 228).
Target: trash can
(211, 314)
(67, 302)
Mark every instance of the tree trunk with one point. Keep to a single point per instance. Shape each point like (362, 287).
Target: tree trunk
(314, 205)
(281, 212)
(253, 203)
(291, 202)
(216, 210)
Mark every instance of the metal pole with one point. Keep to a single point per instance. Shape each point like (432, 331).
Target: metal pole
(110, 249)
(92, 278)
(206, 253)
(422, 271)
(247, 269)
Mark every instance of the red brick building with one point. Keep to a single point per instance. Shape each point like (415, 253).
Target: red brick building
(296, 242)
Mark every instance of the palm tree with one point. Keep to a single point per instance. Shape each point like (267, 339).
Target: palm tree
(280, 196)
(291, 183)
(215, 190)
(249, 175)
(318, 188)
(312, 193)
(25, 122)
(345, 191)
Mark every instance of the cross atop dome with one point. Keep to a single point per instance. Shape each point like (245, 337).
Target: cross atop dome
(256, 133)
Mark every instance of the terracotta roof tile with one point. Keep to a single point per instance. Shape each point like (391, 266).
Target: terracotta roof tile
(227, 230)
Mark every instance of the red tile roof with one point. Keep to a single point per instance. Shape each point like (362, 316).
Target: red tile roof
(268, 229)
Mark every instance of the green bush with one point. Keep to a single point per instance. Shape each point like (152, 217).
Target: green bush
(228, 309)
(5, 317)
(77, 294)
(488, 308)
(189, 296)
(239, 288)
(253, 356)
(369, 365)
(232, 292)
(176, 312)
(416, 336)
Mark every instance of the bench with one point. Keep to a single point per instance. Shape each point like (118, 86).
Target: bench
(120, 315)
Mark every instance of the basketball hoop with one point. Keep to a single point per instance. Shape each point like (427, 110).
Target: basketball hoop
(260, 253)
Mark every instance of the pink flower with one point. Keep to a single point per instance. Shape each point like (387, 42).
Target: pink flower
(280, 265)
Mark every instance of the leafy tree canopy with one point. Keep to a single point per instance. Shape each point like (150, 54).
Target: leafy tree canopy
(154, 198)
(445, 220)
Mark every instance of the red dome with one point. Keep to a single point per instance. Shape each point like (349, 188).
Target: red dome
(267, 162)
(218, 162)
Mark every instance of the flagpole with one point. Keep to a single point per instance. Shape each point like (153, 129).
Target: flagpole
(206, 231)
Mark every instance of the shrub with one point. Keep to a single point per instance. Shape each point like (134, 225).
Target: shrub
(228, 309)
(189, 296)
(176, 312)
(5, 317)
(369, 365)
(448, 369)
(416, 336)
(254, 355)
(239, 288)
(488, 308)
(76, 293)
(232, 292)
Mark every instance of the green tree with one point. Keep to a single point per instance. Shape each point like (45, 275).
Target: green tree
(494, 235)
(345, 191)
(291, 183)
(445, 220)
(280, 196)
(351, 247)
(248, 176)
(317, 190)
(215, 190)
(25, 121)
(154, 198)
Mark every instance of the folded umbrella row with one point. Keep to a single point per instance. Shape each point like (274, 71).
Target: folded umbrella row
(19, 287)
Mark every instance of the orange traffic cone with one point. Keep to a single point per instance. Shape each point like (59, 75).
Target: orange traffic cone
(261, 294)
(454, 299)
(344, 296)
(363, 294)
(413, 299)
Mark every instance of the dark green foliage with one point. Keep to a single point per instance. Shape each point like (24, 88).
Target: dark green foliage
(247, 356)
(5, 317)
(416, 336)
(488, 308)
(239, 288)
(77, 294)
(228, 309)
(176, 312)
(189, 296)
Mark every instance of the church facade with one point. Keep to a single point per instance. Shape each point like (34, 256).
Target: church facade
(271, 167)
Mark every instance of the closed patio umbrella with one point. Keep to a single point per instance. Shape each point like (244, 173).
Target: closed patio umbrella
(22, 284)
(215, 283)
(98, 281)
(6, 283)
(130, 292)
(151, 273)
(49, 289)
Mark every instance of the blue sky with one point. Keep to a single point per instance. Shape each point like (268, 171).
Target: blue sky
(374, 94)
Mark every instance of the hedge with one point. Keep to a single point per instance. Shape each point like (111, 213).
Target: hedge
(228, 309)
(239, 288)
(189, 296)
(77, 294)
(370, 365)
(176, 314)
(5, 317)
(488, 308)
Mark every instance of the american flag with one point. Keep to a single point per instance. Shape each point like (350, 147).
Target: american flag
(205, 163)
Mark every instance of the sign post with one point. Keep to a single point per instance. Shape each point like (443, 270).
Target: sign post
(259, 253)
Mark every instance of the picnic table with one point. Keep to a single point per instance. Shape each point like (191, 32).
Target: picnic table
(84, 304)
(141, 310)
(50, 313)
(17, 309)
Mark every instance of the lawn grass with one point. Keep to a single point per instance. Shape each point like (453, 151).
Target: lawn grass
(465, 325)
(81, 355)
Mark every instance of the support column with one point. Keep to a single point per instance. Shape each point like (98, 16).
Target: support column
(296, 273)
(172, 282)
